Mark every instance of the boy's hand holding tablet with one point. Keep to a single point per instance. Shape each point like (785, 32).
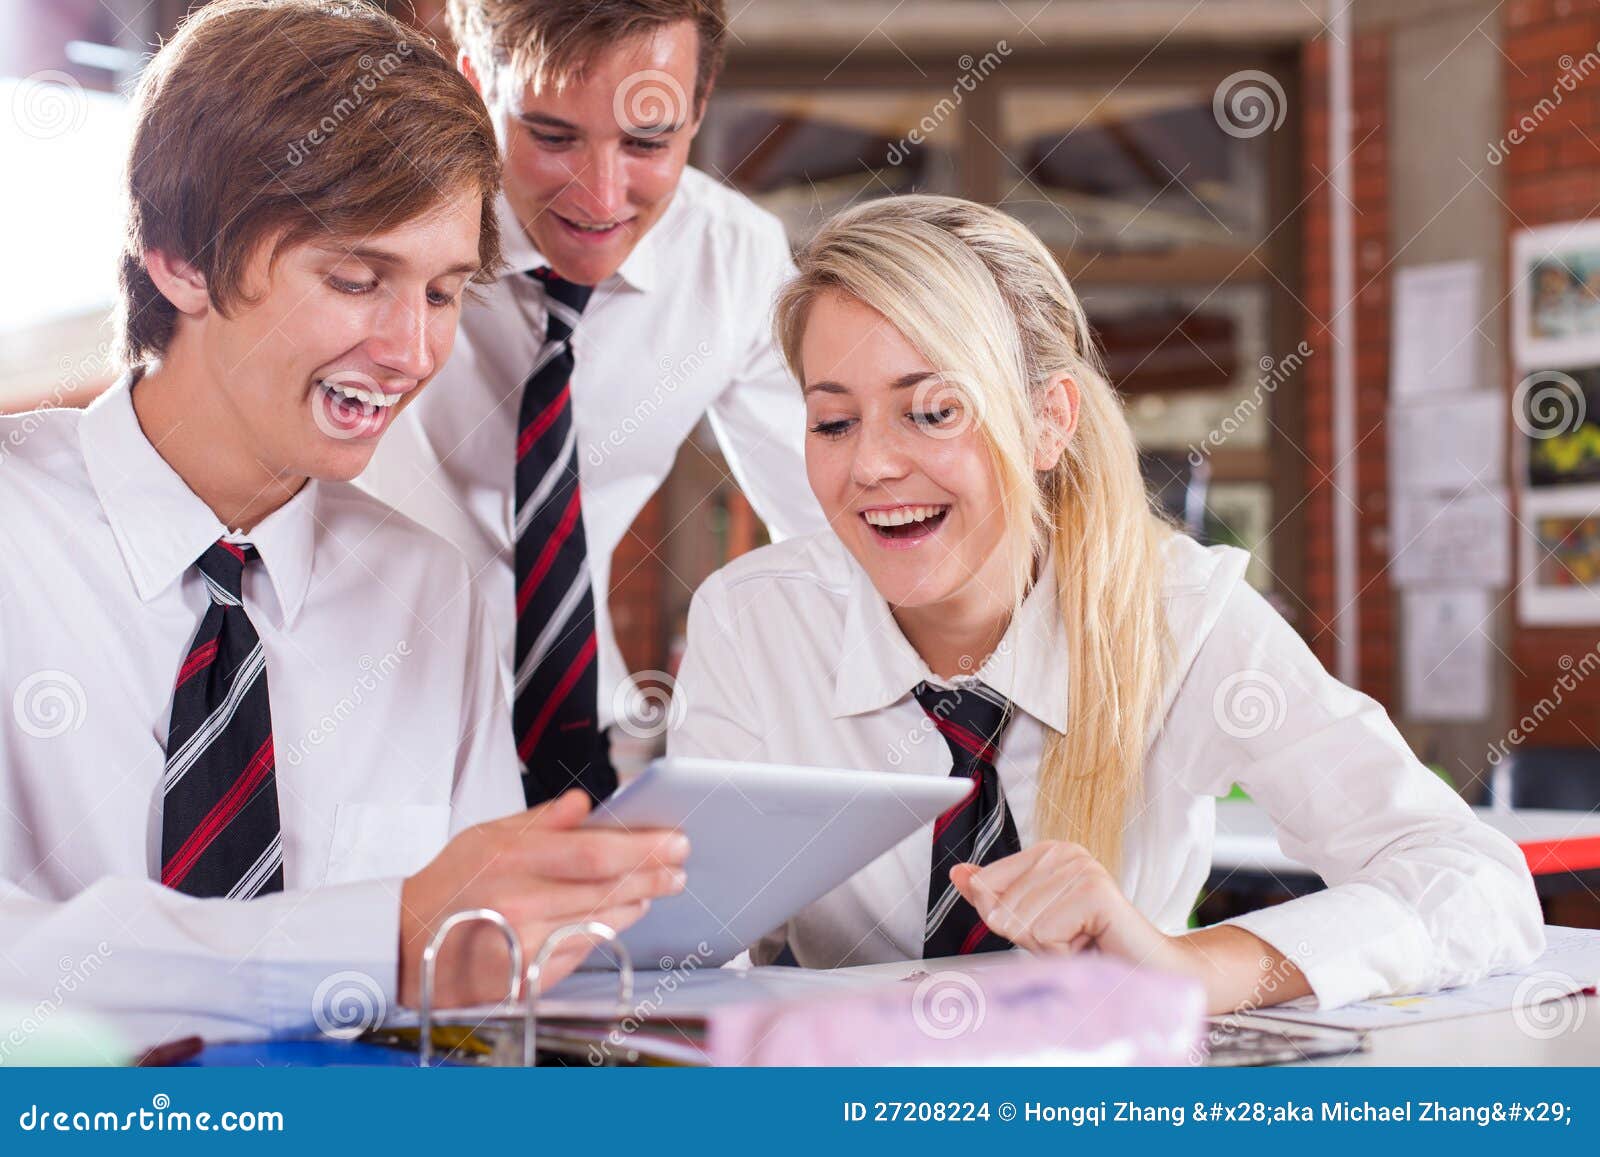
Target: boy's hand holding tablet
(539, 870)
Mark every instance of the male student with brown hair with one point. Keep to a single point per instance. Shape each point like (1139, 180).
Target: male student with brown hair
(254, 742)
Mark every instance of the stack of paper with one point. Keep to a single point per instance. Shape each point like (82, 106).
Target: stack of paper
(1570, 964)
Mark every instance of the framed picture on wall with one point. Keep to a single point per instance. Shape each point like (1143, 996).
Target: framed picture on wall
(1557, 416)
(1560, 557)
(1555, 295)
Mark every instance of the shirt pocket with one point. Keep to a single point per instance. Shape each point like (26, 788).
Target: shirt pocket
(374, 841)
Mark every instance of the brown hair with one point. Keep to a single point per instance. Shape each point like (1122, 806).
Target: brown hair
(549, 41)
(293, 118)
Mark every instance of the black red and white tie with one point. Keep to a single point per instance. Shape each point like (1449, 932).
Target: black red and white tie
(219, 822)
(554, 713)
(979, 829)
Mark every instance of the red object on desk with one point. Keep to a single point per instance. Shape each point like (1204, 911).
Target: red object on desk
(1574, 854)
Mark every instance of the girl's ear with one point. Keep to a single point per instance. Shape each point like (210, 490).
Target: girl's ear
(1058, 419)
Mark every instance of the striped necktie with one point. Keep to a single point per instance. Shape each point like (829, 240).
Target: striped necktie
(559, 742)
(979, 829)
(219, 818)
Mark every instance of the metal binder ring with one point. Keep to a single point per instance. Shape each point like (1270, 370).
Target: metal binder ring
(619, 952)
(430, 959)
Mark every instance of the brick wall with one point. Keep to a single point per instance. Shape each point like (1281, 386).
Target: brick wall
(1551, 177)
(638, 590)
(1369, 189)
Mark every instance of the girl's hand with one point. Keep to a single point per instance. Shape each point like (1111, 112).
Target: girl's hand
(1056, 898)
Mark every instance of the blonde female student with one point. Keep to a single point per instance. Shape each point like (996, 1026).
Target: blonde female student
(997, 599)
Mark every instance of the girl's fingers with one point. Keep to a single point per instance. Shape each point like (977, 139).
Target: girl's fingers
(1072, 924)
(1001, 874)
(1045, 892)
(1018, 911)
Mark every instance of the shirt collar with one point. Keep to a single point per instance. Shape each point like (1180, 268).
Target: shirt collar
(638, 269)
(1028, 667)
(161, 527)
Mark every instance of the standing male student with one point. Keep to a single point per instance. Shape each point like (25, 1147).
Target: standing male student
(253, 746)
(636, 301)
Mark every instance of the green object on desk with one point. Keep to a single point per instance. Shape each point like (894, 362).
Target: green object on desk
(47, 1035)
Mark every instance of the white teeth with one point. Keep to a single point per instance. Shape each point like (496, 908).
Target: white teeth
(591, 228)
(901, 515)
(374, 398)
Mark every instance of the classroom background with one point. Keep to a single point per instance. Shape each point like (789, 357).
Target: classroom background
(1342, 257)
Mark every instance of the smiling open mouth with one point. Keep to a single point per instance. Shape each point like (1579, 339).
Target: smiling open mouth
(348, 410)
(904, 523)
(587, 230)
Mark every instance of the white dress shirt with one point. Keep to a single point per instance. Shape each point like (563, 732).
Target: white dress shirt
(794, 657)
(682, 331)
(389, 725)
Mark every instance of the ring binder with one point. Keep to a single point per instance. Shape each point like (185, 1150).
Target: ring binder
(530, 1022)
(430, 960)
(521, 986)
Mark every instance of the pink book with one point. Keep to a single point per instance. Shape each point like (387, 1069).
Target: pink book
(1087, 1009)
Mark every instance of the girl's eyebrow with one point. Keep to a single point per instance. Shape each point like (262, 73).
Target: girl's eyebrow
(903, 382)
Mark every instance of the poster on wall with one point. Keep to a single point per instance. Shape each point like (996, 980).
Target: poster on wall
(1557, 415)
(1560, 557)
(1435, 345)
(1448, 656)
(1555, 296)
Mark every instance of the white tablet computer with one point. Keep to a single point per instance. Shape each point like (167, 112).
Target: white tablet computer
(765, 841)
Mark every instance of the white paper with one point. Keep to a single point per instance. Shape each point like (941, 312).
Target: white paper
(1571, 963)
(1451, 540)
(1446, 653)
(1448, 441)
(1436, 344)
